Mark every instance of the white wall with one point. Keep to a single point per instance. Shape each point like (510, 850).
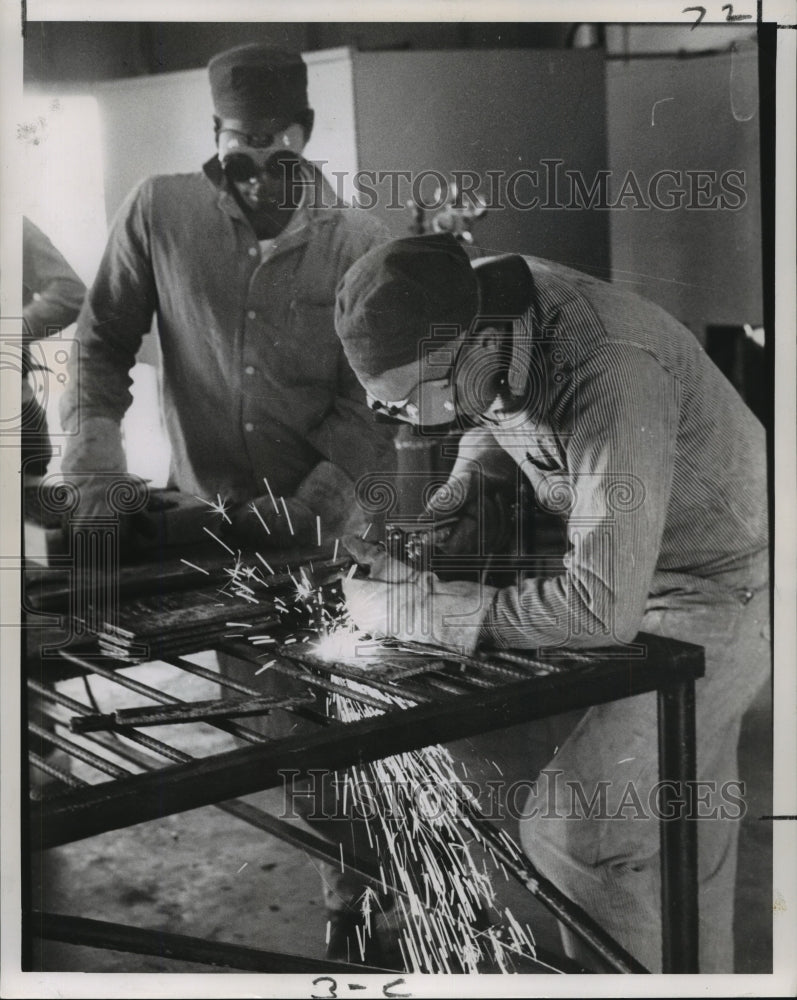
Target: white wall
(163, 123)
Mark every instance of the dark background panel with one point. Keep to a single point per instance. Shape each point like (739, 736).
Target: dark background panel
(491, 111)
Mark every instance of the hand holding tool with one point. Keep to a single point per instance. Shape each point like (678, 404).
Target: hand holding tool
(396, 599)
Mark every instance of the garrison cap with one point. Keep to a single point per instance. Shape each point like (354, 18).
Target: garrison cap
(260, 83)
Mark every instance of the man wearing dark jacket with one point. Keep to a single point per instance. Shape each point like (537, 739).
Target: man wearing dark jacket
(626, 430)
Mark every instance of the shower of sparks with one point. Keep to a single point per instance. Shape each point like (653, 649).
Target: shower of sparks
(450, 916)
(218, 506)
(432, 857)
(367, 529)
(318, 529)
(335, 553)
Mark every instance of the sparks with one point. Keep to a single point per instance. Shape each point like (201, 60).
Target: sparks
(447, 894)
(217, 539)
(195, 567)
(218, 506)
(276, 508)
(423, 818)
(287, 515)
(255, 510)
(265, 563)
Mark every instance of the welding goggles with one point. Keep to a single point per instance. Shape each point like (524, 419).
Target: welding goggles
(440, 363)
(244, 156)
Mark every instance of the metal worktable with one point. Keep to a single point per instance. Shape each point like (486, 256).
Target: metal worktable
(454, 697)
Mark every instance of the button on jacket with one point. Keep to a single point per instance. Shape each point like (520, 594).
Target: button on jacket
(255, 382)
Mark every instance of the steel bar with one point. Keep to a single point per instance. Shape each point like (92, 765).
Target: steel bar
(179, 947)
(143, 739)
(75, 750)
(163, 715)
(440, 682)
(228, 682)
(678, 838)
(250, 769)
(338, 669)
(294, 835)
(524, 872)
(243, 651)
(55, 772)
(566, 911)
(234, 728)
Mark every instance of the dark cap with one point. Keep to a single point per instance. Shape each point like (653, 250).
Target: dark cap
(258, 83)
(397, 295)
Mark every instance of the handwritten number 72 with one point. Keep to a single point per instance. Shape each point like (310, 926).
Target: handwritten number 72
(730, 16)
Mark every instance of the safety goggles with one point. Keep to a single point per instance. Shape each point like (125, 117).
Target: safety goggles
(394, 410)
(246, 156)
(410, 407)
(425, 405)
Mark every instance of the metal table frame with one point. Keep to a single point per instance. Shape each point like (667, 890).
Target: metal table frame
(668, 667)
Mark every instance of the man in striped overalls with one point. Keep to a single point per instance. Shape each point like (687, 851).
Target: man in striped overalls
(626, 430)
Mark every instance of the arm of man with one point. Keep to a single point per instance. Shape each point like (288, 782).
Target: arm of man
(116, 314)
(620, 441)
(56, 292)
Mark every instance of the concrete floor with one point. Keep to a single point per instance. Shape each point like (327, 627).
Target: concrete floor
(207, 874)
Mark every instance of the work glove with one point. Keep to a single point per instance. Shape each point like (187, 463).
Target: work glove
(326, 493)
(413, 605)
(473, 494)
(95, 467)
